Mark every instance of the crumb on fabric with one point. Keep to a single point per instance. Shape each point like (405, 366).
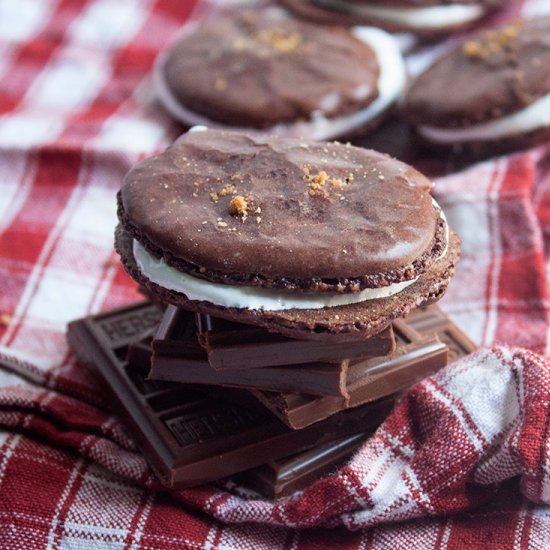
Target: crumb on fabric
(5, 319)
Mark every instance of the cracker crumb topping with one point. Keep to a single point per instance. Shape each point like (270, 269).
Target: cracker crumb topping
(493, 42)
(238, 207)
(317, 183)
(276, 39)
(228, 189)
(280, 40)
(220, 84)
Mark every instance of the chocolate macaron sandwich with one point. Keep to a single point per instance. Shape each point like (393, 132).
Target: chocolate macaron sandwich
(497, 92)
(263, 70)
(423, 17)
(315, 241)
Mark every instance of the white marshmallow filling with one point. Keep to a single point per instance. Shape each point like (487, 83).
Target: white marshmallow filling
(533, 117)
(243, 297)
(166, 276)
(426, 18)
(391, 82)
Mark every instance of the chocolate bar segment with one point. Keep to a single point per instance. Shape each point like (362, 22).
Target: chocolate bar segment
(314, 378)
(414, 358)
(282, 477)
(231, 345)
(178, 357)
(432, 320)
(194, 434)
(423, 341)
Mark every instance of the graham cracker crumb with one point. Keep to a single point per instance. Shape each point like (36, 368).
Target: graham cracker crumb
(473, 49)
(337, 183)
(110, 262)
(220, 84)
(238, 207)
(273, 40)
(494, 42)
(222, 224)
(317, 183)
(258, 219)
(279, 39)
(320, 178)
(214, 197)
(228, 189)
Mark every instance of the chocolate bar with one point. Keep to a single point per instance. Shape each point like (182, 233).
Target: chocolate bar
(193, 434)
(282, 477)
(231, 345)
(431, 320)
(178, 357)
(423, 340)
(191, 366)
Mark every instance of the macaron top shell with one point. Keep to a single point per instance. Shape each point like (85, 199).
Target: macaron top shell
(258, 210)
(491, 75)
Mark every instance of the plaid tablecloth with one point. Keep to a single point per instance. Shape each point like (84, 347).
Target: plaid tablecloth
(463, 462)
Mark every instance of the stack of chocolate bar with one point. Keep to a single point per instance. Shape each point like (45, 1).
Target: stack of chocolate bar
(206, 398)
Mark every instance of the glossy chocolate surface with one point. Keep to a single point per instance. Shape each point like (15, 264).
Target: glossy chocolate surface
(260, 68)
(323, 216)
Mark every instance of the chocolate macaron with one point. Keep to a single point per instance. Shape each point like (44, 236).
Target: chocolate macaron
(489, 95)
(312, 240)
(263, 70)
(423, 17)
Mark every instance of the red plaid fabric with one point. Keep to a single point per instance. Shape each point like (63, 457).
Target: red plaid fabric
(463, 461)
